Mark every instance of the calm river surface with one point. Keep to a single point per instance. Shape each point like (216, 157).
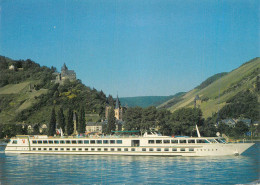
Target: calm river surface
(78, 169)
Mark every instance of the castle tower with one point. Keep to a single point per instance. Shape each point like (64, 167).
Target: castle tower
(197, 101)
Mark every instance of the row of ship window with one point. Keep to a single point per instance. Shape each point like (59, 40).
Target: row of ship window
(77, 141)
(173, 141)
(116, 141)
(124, 149)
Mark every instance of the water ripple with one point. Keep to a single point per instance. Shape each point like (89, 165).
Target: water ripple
(80, 169)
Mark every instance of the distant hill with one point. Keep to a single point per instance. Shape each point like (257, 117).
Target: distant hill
(145, 101)
(214, 92)
(28, 93)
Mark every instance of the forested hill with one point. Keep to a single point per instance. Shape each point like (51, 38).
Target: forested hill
(27, 93)
(145, 101)
(217, 93)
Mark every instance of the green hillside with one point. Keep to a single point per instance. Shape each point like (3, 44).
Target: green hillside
(28, 93)
(214, 95)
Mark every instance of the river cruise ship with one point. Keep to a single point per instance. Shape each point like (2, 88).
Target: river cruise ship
(148, 144)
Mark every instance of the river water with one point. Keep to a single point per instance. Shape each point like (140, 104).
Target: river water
(78, 169)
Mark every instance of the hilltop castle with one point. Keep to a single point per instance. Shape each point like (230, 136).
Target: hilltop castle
(65, 75)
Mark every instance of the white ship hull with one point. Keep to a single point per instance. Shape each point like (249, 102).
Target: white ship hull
(138, 146)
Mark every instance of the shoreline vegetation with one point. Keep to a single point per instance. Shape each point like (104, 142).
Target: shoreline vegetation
(42, 102)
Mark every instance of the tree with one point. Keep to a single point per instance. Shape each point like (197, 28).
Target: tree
(52, 124)
(36, 129)
(163, 119)
(223, 129)
(148, 118)
(82, 121)
(111, 121)
(110, 101)
(61, 120)
(133, 118)
(184, 120)
(240, 129)
(70, 125)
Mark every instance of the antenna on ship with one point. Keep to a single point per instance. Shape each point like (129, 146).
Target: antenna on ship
(198, 132)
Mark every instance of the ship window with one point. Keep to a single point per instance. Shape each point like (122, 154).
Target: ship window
(202, 141)
(62, 149)
(86, 149)
(183, 141)
(14, 141)
(166, 141)
(158, 141)
(119, 141)
(166, 149)
(45, 142)
(112, 149)
(212, 141)
(112, 141)
(183, 149)
(80, 142)
(92, 141)
(50, 148)
(74, 142)
(62, 142)
(50, 141)
(68, 149)
(174, 141)
(105, 149)
(39, 141)
(67, 141)
(44, 148)
(56, 141)
(105, 141)
(56, 149)
(92, 149)
(132, 149)
(191, 141)
(34, 148)
(191, 149)
(126, 149)
(79, 149)
(74, 149)
(99, 141)
(150, 149)
(99, 149)
(86, 141)
(144, 149)
(158, 149)
(34, 142)
(119, 149)
(150, 141)
(39, 149)
(174, 149)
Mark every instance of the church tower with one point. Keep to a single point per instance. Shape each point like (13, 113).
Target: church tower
(118, 110)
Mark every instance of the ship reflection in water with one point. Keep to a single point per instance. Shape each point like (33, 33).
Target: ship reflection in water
(91, 169)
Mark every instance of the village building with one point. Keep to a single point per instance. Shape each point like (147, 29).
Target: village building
(232, 122)
(94, 127)
(12, 67)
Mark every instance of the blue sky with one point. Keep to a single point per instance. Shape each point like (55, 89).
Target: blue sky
(133, 47)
